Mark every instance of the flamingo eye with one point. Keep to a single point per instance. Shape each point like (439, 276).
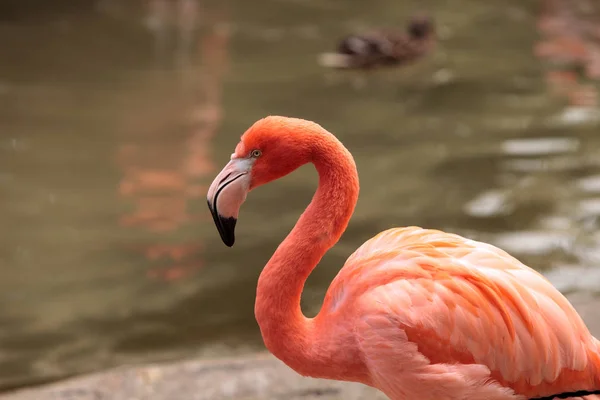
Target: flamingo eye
(255, 153)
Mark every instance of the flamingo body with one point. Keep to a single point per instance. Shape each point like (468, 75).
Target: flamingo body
(416, 313)
(420, 302)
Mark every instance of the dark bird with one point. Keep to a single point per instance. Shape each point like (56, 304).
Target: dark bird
(384, 47)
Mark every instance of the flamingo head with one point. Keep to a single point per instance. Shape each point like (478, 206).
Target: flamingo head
(270, 149)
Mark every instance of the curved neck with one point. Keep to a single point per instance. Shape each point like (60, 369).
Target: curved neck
(287, 333)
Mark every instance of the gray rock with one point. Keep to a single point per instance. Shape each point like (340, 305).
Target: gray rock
(249, 378)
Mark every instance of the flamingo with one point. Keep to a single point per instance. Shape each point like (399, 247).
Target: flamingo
(415, 313)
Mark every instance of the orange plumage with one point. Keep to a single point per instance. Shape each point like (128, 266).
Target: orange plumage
(417, 313)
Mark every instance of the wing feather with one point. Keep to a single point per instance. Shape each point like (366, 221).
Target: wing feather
(463, 301)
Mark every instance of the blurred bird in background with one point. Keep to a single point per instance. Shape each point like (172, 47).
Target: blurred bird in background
(383, 48)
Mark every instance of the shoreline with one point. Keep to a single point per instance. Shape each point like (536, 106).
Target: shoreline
(255, 377)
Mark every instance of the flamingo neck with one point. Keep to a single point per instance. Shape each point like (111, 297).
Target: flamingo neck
(287, 333)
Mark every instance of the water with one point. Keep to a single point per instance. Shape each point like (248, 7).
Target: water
(109, 136)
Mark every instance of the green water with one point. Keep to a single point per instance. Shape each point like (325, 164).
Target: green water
(109, 136)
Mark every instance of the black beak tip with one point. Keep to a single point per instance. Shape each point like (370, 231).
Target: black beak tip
(227, 230)
(225, 226)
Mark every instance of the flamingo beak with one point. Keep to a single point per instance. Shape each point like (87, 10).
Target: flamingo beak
(226, 195)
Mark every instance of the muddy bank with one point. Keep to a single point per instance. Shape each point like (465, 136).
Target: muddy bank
(248, 378)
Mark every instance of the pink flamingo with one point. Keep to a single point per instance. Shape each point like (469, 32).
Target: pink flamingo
(416, 313)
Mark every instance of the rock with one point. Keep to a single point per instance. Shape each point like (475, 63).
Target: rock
(257, 377)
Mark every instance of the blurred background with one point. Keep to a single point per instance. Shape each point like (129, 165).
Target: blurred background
(115, 115)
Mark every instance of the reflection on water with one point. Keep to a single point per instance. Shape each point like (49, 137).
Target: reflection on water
(570, 43)
(113, 128)
(163, 176)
